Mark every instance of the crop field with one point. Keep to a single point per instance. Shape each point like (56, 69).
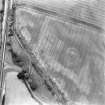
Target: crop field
(54, 51)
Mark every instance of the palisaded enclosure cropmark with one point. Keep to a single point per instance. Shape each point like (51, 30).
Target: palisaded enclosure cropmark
(65, 47)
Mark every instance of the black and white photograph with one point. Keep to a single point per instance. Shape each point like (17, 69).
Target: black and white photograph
(52, 52)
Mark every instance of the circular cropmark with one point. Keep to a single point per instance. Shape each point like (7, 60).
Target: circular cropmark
(72, 57)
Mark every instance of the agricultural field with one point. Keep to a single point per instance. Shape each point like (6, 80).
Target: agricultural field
(60, 49)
